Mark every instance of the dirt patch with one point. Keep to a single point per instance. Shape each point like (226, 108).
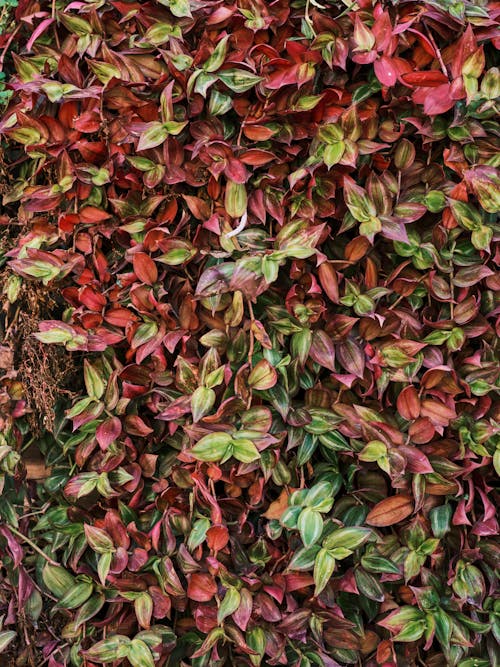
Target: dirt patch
(48, 373)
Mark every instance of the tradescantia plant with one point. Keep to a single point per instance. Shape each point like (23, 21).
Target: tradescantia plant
(249, 365)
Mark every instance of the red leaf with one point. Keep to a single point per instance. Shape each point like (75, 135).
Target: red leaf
(385, 71)
(428, 79)
(93, 214)
(408, 403)
(217, 537)
(351, 357)
(201, 587)
(322, 350)
(108, 432)
(390, 511)
(145, 268)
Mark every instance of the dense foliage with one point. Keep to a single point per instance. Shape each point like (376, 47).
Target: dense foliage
(250, 369)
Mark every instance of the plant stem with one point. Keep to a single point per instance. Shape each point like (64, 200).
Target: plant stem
(33, 546)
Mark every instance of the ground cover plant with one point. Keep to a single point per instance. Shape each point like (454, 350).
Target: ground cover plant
(249, 363)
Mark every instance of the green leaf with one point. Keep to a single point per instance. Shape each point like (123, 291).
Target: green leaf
(496, 461)
(334, 441)
(239, 80)
(290, 516)
(143, 607)
(373, 451)
(379, 565)
(411, 632)
(229, 604)
(306, 449)
(481, 238)
(368, 586)
(320, 497)
(443, 627)
(109, 649)
(348, 538)
(58, 580)
(152, 136)
(466, 215)
(5, 639)
(333, 153)
(98, 539)
(89, 609)
(304, 558)
(402, 617)
(428, 547)
(93, 380)
(202, 401)
(77, 595)
(235, 199)
(218, 56)
(220, 103)
(175, 127)
(139, 654)
(159, 33)
(103, 566)
(263, 376)
(244, 450)
(324, 566)
(212, 447)
(179, 8)
(310, 525)
(198, 533)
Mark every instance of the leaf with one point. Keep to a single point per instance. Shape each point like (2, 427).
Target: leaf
(145, 268)
(98, 539)
(351, 357)
(103, 566)
(202, 401)
(93, 381)
(411, 632)
(236, 199)
(6, 637)
(379, 565)
(139, 654)
(401, 617)
(310, 525)
(58, 580)
(229, 604)
(348, 538)
(368, 586)
(77, 595)
(109, 649)
(212, 447)
(201, 587)
(357, 201)
(179, 8)
(108, 431)
(216, 59)
(322, 350)
(324, 566)
(304, 558)
(244, 450)
(390, 511)
(154, 135)
(239, 80)
(143, 607)
(263, 376)
(277, 507)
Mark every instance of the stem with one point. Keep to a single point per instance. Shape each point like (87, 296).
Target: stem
(33, 546)
(6, 47)
(307, 18)
(438, 52)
